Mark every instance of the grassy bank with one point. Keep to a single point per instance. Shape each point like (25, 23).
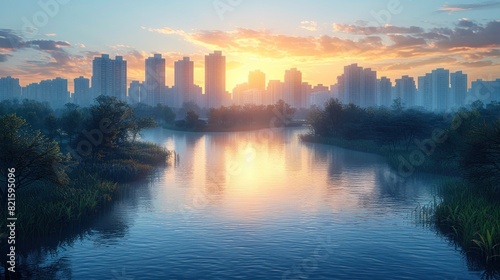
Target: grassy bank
(470, 215)
(44, 209)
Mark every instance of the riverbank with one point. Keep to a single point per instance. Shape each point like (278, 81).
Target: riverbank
(212, 129)
(45, 209)
(467, 212)
(394, 155)
(470, 216)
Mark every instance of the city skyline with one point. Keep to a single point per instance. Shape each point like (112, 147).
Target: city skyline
(53, 39)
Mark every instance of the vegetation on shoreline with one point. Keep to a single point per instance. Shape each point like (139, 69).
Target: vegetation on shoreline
(68, 170)
(237, 118)
(466, 143)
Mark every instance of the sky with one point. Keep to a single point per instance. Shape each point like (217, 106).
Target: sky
(44, 39)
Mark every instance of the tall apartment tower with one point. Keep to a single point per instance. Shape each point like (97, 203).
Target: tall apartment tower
(215, 79)
(293, 92)
(154, 83)
(425, 91)
(9, 88)
(368, 94)
(82, 95)
(406, 89)
(384, 92)
(109, 77)
(184, 81)
(352, 84)
(441, 89)
(458, 89)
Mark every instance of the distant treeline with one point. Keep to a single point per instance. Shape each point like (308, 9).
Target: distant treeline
(234, 118)
(461, 142)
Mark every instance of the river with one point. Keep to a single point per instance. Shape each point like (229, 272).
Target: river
(259, 205)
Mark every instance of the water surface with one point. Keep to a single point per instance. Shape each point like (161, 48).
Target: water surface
(260, 205)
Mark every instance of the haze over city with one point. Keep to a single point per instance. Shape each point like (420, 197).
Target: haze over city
(317, 39)
(250, 139)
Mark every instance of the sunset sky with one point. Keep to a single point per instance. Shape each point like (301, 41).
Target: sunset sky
(317, 37)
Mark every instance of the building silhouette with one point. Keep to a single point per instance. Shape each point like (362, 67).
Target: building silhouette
(109, 77)
(10, 88)
(184, 87)
(215, 79)
(458, 88)
(406, 89)
(81, 95)
(384, 92)
(154, 82)
(425, 91)
(440, 89)
(293, 91)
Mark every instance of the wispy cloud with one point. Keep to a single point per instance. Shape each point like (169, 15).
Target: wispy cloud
(372, 30)
(309, 25)
(469, 7)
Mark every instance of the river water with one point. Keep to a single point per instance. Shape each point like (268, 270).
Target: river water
(259, 205)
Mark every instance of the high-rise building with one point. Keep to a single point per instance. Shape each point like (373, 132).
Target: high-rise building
(82, 96)
(257, 86)
(320, 94)
(275, 91)
(484, 91)
(136, 92)
(458, 89)
(440, 89)
(293, 91)
(425, 91)
(215, 79)
(368, 88)
(184, 81)
(406, 89)
(9, 88)
(257, 80)
(352, 84)
(32, 91)
(384, 92)
(55, 92)
(109, 77)
(358, 86)
(154, 82)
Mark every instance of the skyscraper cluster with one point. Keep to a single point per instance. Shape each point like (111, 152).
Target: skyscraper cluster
(437, 91)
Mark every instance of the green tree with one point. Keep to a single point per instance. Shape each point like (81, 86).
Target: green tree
(192, 119)
(34, 157)
(481, 160)
(139, 124)
(72, 120)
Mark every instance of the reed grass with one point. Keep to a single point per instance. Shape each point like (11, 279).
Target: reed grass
(470, 215)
